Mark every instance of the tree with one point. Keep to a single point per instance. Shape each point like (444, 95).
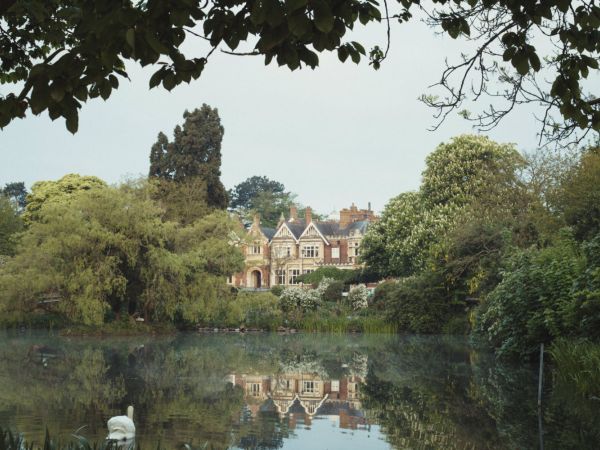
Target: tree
(110, 250)
(62, 52)
(10, 224)
(45, 192)
(261, 195)
(194, 153)
(579, 195)
(16, 192)
(244, 194)
(466, 170)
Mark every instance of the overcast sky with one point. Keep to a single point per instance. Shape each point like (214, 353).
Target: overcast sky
(339, 134)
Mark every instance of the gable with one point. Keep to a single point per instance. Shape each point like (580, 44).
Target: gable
(285, 233)
(312, 231)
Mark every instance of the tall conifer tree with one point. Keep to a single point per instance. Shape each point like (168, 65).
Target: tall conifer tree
(195, 153)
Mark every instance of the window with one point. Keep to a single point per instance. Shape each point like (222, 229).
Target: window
(284, 385)
(335, 252)
(310, 251)
(280, 276)
(255, 249)
(307, 271)
(283, 251)
(335, 385)
(254, 389)
(230, 279)
(294, 274)
(309, 387)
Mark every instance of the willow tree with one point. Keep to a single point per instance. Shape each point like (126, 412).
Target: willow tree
(45, 192)
(110, 251)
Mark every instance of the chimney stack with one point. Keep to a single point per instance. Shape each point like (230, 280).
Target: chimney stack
(369, 207)
(293, 213)
(256, 220)
(308, 215)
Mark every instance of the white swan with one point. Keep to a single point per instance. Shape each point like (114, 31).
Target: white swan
(121, 427)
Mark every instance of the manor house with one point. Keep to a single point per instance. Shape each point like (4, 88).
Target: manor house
(278, 256)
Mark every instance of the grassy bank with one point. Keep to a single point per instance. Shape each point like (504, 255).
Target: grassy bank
(342, 324)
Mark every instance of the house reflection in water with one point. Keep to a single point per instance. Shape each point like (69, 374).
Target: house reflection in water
(303, 397)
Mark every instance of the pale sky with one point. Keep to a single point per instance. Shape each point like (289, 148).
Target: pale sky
(339, 134)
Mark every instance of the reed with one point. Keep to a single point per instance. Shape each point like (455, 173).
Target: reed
(577, 364)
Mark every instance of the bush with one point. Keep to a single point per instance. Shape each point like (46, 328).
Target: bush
(419, 304)
(332, 273)
(255, 310)
(357, 297)
(381, 296)
(532, 302)
(333, 292)
(299, 298)
(277, 290)
(457, 325)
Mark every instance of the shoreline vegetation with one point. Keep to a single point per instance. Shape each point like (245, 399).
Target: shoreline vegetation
(495, 244)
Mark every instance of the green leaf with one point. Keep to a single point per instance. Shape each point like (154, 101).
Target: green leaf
(293, 5)
(323, 16)
(155, 79)
(72, 121)
(534, 60)
(343, 53)
(520, 62)
(299, 24)
(130, 38)
(155, 44)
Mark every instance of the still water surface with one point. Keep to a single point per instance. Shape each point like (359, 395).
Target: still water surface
(271, 391)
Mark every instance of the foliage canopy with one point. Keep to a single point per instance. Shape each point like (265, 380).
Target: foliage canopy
(109, 250)
(195, 153)
(60, 53)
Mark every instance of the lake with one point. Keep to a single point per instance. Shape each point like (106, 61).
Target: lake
(300, 391)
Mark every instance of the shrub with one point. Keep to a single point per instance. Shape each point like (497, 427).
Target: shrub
(532, 301)
(277, 290)
(318, 275)
(333, 292)
(458, 325)
(322, 287)
(381, 297)
(419, 304)
(297, 297)
(255, 310)
(357, 297)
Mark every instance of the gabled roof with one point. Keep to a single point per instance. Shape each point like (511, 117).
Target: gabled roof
(268, 232)
(319, 232)
(297, 227)
(326, 229)
(291, 227)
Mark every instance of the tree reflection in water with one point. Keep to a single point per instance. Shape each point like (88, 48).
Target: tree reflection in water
(258, 392)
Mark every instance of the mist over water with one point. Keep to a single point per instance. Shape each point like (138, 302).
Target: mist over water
(269, 391)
